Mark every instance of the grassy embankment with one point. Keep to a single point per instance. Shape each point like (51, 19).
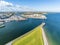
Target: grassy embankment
(34, 37)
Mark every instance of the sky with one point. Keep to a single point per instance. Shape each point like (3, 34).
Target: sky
(32, 5)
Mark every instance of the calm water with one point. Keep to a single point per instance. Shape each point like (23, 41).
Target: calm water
(15, 29)
(52, 28)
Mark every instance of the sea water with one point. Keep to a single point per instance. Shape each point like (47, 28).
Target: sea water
(15, 29)
(52, 28)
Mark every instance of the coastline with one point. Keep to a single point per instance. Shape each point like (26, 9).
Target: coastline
(43, 34)
(34, 34)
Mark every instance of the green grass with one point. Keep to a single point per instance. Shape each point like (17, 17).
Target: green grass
(33, 37)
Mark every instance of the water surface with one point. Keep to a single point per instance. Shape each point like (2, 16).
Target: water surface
(15, 29)
(52, 28)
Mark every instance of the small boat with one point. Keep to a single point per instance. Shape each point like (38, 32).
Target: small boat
(1, 26)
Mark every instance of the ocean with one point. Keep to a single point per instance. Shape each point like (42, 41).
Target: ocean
(14, 29)
(52, 28)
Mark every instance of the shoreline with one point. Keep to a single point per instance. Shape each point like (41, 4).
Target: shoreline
(43, 34)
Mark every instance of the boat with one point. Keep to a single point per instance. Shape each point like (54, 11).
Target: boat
(2, 24)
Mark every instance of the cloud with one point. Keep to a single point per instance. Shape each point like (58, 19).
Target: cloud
(7, 6)
(3, 3)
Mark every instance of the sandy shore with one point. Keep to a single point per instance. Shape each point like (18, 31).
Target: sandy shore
(43, 34)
